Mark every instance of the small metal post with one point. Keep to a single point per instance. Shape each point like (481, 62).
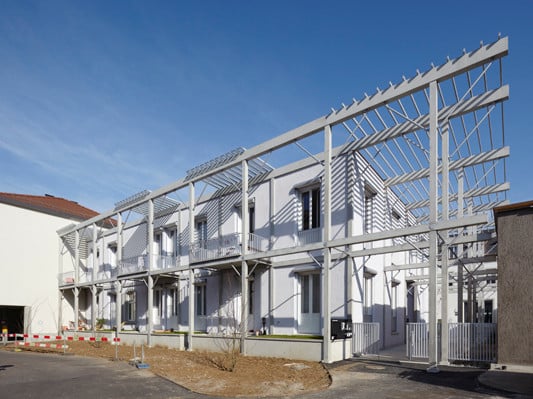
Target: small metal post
(116, 344)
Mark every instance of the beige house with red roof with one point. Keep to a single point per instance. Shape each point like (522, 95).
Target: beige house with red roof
(28, 268)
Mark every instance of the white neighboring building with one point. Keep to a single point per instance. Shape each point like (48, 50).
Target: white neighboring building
(28, 269)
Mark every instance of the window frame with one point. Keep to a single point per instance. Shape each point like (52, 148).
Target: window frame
(200, 292)
(310, 203)
(130, 306)
(310, 301)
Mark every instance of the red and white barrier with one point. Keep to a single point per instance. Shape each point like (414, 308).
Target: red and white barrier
(42, 345)
(12, 335)
(112, 340)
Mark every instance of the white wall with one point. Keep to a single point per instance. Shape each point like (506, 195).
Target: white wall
(29, 264)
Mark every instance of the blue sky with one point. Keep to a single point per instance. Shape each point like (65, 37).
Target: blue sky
(100, 100)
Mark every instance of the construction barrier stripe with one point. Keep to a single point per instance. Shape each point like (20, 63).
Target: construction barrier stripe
(69, 338)
(12, 335)
(42, 345)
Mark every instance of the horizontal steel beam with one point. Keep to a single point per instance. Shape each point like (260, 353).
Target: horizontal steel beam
(476, 159)
(477, 209)
(449, 112)
(477, 192)
(394, 268)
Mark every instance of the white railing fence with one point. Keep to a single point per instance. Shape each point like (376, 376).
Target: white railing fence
(472, 341)
(417, 340)
(365, 338)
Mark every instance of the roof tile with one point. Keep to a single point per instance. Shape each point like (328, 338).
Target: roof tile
(49, 204)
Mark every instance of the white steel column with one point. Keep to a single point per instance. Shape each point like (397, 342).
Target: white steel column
(94, 291)
(433, 218)
(191, 270)
(460, 267)
(350, 269)
(326, 298)
(272, 218)
(244, 249)
(150, 252)
(61, 280)
(118, 305)
(118, 284)
(444, 249)
(76, 308)
(93, 278)
(76, 278)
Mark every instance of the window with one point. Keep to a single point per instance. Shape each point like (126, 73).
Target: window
(173, 241)
(201, 232)
(310, 284)
(394, 307)
(369, 210)
(251, 286)
(130, 311)
(487, 311)
(157, 244)
(158, 302)
(200, 300)
(251, 219)
(310, 202)
(112, 254)
(368, 302)
(174, 292)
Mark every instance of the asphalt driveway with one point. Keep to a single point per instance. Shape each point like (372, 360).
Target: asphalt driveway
(50, 376)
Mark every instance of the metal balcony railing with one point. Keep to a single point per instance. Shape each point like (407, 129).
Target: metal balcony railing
(86, 276)
(225, 246)
(163, 262)
(309, 236)
(134, 264)
(66, 278)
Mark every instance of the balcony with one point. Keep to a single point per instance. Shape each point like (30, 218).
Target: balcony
(225, 247)
(139, 264)
(309, 236)
(136, 264)
(66, 278)
(164, 262)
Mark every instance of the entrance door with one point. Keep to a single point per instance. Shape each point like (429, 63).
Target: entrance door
(12, 318)
(200, 298)
(309, 304)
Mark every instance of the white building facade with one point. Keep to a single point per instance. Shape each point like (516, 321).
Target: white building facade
(360, 230)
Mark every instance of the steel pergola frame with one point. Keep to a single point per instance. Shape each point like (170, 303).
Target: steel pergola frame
(437, 142)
